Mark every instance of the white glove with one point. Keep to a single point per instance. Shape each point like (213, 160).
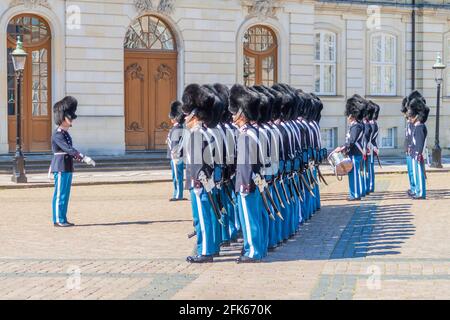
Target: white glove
(89, 161)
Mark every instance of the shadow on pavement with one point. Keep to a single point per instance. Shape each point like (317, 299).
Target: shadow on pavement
(129, 223)
(441, 194)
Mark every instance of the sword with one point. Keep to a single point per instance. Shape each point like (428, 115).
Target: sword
(284, 191)
(259, 182)
(220, 205)
(228, 193)
(297, 190)
(192, 234)
(290, 188)
(269, 196)
(277, 193)
(307, 185)
(321, 177)
(209, 185)
(312, 176)
(378, 159)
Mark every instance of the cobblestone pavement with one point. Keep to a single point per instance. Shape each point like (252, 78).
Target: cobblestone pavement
(130, 243)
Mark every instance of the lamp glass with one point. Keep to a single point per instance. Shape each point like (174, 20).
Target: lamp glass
(19, 56)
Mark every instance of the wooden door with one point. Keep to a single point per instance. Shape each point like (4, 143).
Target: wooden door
(36, 108)
(150, 87)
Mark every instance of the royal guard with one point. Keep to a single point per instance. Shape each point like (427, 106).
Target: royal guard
(244, 105)
(354, 110)
(418, 113)
(175, 149)
(373, 144)
(368, 114)
(64, 154)
(198, 107)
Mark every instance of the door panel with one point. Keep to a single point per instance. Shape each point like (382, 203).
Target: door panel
(164, 78)
(136, 104)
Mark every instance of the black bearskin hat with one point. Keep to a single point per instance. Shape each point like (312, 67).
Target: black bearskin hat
(404, 108)
(201, 101)
(278, 101)
(264, 106)
(224, 95)
(241, 98)
(413, 95)
(371, 108)
(288, 102)
(65, 108)
(268, 116)
(355, 107)
(423, 114)
(317, 108)
(176, 113)
(308, 108)
(416, 107)
(376, 113)
(217, 107)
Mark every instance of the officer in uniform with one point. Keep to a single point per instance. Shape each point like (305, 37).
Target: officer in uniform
(64, 154)
(175, 150)
(354, 110)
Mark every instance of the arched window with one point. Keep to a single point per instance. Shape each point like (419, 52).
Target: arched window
(383, 64)
(149, 33)
(260, 56)
(325, 63)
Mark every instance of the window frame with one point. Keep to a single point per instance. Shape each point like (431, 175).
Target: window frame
(383, 64)
(334, 135)
(393, 139)
(322, 63)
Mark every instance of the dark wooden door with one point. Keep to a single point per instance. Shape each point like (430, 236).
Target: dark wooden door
(150, 87)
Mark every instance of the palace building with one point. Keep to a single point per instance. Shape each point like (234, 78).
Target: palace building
(126, 60)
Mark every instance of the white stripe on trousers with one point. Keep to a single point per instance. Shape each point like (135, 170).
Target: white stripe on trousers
(419, 166)
(202, 222)
(247, 227)
(413, 165)
(58, 196)
(175, 169)
(354, 178)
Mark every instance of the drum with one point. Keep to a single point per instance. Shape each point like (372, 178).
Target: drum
(341, 164)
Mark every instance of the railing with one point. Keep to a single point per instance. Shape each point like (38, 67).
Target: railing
(403, 3)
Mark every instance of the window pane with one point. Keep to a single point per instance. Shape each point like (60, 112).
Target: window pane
(317, 78)
(268, 71)
(149, 32)
(390, 49)
(259, 38)
(328, 47)
(376, 50)
(328, 137)
(328, 74)
(375, 79)
(249, 70)
(317, 46)
(389, 80)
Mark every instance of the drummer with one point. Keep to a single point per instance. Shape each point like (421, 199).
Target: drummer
(353, 147)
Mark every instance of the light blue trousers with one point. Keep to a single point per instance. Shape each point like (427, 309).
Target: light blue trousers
(420, 185)
(251, 224)
(61, 196)
(203, 216)
(409, 166)
(354, 177)
(177, 177)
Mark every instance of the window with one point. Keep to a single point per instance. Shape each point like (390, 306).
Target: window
(389, 138)
(325, 63)
(329, 138)
(151, 33)
(448, 64)
(260, 56)
(383, 66)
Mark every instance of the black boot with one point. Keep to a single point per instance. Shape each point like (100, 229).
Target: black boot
(245, 259)
(199, 259)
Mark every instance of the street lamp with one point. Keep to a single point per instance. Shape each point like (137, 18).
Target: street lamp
(19, 57)
(438, 68)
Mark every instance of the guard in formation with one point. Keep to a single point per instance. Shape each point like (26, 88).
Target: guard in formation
(361, 145)
(416, 113)
(175, 150)
(252, 165)
(64, 153)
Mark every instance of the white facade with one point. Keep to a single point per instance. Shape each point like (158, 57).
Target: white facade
(88, 57)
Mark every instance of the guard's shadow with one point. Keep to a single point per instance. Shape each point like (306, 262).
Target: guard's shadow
(441, 194)
(350, 231)
(127, 223)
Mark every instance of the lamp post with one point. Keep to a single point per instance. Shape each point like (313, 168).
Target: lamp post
(438, 68)
(19, 57)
